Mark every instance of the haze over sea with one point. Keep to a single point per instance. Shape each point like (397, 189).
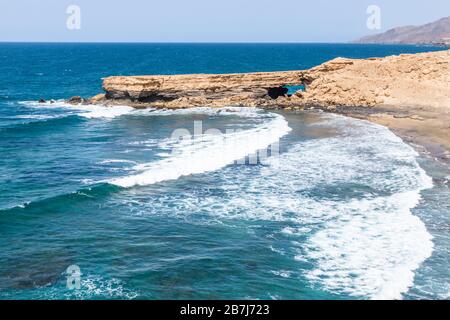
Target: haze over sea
(347, 210)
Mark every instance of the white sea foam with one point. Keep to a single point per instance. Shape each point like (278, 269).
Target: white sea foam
(87, 181)
(366, 245)
(89, 111)
(108, 161)
(163, 154)
(282, 273)
(209, 153)
(371, 248)
(36, 117)
(246, 112)
(96, 111)
(97, 287)
(371, 244)
(100, 111)
(345, 201)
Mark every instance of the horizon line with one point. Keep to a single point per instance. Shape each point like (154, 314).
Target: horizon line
(169, 42)
(201, 42)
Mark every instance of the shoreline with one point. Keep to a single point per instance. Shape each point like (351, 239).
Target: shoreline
(426, 132)
(408, 93)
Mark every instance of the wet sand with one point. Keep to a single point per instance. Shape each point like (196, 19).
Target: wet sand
(426, 128)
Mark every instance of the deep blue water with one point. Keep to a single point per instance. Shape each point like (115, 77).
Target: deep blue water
(347, 210)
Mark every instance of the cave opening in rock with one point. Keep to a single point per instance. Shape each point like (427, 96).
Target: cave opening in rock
(277, 92)
(282, 91)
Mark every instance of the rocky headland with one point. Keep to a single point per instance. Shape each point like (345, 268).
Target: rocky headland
(409, 93)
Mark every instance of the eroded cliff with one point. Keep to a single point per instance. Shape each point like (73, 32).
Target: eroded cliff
(404, 80)
(180, 91)
(410, 79)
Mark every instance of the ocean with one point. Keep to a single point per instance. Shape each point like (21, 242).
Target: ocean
(99, 203)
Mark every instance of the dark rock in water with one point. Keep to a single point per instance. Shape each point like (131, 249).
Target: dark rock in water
(442, 181)
(42, 101)
(52, 101)
(75, 99)
(34, 270)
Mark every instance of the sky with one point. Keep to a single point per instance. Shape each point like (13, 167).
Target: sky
(207, 20)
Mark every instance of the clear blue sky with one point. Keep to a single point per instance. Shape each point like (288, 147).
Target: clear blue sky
(208, 20)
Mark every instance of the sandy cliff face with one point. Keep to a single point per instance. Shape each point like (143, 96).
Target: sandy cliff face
(250, 89)
(415, 80)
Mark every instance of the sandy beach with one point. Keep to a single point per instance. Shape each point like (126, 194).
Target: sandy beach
(426, 129)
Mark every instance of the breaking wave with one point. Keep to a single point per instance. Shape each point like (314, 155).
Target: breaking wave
(89, 111)
(346, 203)
(355, 192)
(208, 153)
(94, 111)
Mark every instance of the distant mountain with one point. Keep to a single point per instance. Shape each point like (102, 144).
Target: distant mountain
(437, 32)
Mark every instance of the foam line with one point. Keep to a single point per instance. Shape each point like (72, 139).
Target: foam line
(208, 154)
(89, 111)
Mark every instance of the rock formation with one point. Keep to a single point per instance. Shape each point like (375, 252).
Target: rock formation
(405, 80)
(408, 79)
(408, 93)
(179, 91)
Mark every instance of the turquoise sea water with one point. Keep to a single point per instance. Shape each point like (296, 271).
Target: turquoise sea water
(346, 210)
